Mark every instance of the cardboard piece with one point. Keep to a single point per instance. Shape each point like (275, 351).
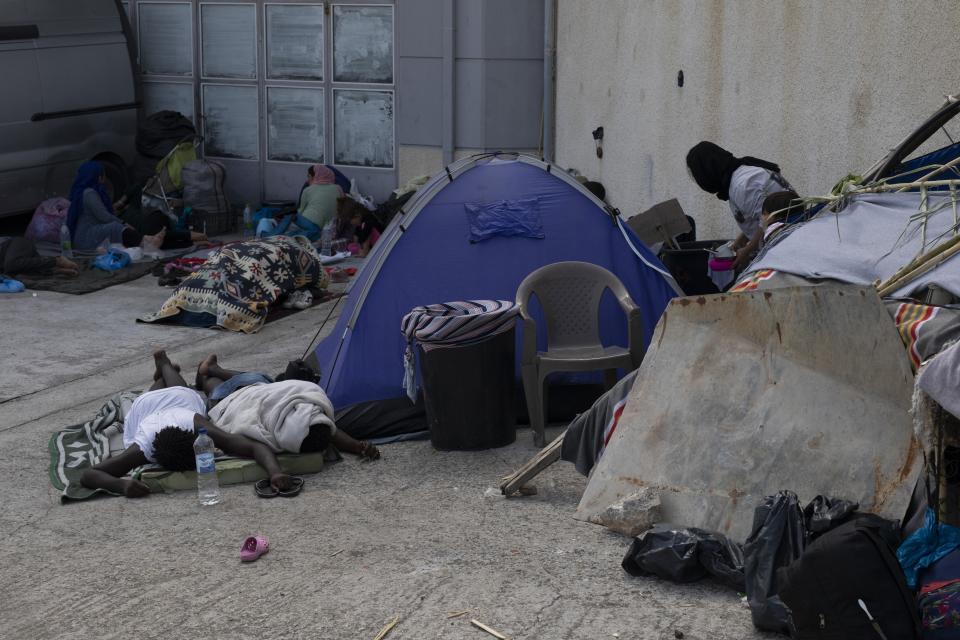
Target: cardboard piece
(660, 223)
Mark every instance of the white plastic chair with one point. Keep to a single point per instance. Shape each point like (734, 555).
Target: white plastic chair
(569, 294)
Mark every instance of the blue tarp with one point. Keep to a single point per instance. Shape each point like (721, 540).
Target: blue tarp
(432, 260)
(913, 169)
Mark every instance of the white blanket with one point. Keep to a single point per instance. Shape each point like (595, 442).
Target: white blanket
(277, 414)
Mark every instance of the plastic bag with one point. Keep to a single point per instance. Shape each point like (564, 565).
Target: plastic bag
(823, 514)
(685, 554)
(112, 260)
(9, 285)
(46, 221)
(926, 545)
(777, 538)
(504, 218)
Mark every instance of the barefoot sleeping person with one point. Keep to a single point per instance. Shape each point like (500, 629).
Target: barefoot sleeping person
(161, 427)
(292, 415)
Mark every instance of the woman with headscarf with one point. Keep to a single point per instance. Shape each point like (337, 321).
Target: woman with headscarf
(744, 182)
(91, 218)
(317, 207)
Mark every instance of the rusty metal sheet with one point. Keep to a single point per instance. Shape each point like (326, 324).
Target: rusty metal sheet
(742, 395)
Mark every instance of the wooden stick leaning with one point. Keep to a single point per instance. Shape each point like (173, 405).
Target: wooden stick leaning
(548, 455)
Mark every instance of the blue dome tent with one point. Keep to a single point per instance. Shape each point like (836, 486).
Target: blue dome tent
(426, 256)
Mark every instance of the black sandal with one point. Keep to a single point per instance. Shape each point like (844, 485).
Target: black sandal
(264, 489)
(296, 486)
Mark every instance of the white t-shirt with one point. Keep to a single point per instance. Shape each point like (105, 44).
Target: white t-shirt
(749, 186)
(156, 410)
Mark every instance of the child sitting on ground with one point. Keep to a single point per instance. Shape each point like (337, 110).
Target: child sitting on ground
(357, 225)
(161, 427)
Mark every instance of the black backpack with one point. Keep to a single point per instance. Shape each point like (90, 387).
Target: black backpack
(850, 564)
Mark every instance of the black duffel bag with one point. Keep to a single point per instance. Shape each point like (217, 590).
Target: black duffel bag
(848, 585)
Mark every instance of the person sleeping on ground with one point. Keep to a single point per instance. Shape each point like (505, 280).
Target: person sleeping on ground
(292, 415)
(161, 428)
(236, 286)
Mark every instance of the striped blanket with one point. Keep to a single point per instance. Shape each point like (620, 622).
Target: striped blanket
(452, 323)
(77, 448)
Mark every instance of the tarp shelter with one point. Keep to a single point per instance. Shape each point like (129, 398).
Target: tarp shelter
(426, 256)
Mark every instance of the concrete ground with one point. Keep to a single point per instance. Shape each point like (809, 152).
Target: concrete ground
(418, 535)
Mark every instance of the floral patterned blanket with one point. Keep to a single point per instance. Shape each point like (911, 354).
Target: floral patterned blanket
(237, 284)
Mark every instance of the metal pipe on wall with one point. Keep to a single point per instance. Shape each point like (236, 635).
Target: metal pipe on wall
(448, 67)
(549, 76)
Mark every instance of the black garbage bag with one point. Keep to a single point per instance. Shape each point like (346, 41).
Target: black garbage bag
(823, 514)
(160, 132)
(685, 554)
(777, 538)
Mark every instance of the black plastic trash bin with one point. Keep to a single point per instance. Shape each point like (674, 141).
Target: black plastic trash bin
(689, 266)
(469, 392)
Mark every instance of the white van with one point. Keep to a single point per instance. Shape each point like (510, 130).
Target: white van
(70, 96)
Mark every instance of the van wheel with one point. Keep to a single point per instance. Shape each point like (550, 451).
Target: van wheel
(116, 170)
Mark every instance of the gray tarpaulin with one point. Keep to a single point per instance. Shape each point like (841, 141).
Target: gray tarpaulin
(940, 379)
(743, 395)
(869, 240)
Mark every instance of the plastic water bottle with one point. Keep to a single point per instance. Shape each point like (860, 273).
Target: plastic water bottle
(208, 488)
(326, 239)
(248, 218)
(66, 244)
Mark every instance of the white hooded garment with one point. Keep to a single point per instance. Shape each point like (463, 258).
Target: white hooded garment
(278, 414)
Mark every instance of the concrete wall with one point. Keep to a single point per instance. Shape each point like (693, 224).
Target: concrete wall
(497, 79)
(823, 88)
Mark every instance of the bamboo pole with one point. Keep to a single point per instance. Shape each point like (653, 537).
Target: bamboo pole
(927, 262)
(939, 169)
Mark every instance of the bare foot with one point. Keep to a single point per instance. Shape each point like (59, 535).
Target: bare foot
(153, 242)
(67, 264)
(196, 236)
(157, 376)
(160, 357)
(203, 370)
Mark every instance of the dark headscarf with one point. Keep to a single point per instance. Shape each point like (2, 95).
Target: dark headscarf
(88, 177)
(712, 166)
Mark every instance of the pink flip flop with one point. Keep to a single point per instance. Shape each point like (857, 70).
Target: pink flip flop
(253, 547)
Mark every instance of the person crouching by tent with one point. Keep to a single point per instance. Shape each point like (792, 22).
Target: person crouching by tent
(294, 416)
(91, 218)
(161, 427)
(744, 182)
